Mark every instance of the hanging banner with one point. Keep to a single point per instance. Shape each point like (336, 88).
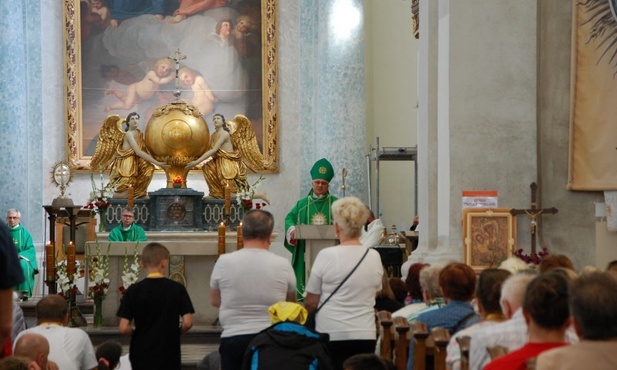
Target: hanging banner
(593, 132)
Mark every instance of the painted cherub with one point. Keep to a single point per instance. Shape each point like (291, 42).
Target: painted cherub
(203, 99)
(101, 8)
(144, 89)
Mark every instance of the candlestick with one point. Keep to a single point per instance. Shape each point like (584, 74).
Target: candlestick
(70, 259)
(227, 200)
(222, 230)
(50, 261)
(240, 238)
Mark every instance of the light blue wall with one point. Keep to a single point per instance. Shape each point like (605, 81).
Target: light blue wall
(332, 80)
(21, 139)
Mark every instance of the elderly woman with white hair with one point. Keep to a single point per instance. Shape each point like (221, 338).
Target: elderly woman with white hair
(343, 283)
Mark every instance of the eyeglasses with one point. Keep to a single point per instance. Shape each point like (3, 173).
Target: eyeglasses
(12, 218)
(322, 183)
(128, 216)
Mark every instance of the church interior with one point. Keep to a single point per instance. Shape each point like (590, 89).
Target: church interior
(488, 96)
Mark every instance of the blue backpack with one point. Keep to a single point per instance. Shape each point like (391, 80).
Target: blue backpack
(288, 345)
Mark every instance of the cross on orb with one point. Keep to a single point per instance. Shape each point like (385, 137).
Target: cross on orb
(177, 57)
(533, 212)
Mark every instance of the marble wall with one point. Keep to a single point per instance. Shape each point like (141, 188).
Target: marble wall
(21, 127)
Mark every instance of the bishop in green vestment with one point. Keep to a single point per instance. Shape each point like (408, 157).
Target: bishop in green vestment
(25, 250)
(314, 209)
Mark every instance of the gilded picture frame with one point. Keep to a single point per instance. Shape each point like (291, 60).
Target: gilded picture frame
(489, 236)
(257, 93)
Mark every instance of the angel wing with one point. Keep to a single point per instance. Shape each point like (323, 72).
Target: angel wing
(244, 139)
(110, 136)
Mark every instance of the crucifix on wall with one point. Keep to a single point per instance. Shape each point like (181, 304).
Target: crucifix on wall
(533, 212)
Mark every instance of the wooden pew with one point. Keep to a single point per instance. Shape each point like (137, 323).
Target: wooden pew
(401, 349)
(386, 334)
(420, 336)
(441, 337)
(463, 343)
(497, 351)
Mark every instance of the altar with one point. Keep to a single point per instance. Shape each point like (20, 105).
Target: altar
(200, 252)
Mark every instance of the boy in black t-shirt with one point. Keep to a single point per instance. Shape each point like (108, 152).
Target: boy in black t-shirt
(156, 305)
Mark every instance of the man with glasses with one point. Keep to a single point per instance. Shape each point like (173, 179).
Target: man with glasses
(127, 231)
(26, 251)
(314, 209)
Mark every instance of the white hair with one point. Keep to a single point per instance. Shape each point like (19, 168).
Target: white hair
(513, 289)
(514, 265)
(13, 210)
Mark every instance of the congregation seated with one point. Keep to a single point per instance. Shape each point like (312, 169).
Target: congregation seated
(511, 333)
(108, 355)
(431, 293)
(70, 348)
(399, 289)
(367, 361)
(384, 299)
(593, 306)
(35, 348)
(457, 282)
(547, 315)
(612, 266)
(412, 283)
(553, 261)
(488, 297)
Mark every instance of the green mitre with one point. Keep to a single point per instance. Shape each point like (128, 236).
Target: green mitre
(322, 170)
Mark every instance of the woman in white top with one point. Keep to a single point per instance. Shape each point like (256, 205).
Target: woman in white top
(348, 316)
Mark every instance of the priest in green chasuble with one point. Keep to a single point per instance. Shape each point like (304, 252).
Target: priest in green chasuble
(127, 231)
(314, 209)
(25, 250)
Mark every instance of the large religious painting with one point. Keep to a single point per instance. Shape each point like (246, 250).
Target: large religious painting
(593, 112)
(117, 61)
(489, 236)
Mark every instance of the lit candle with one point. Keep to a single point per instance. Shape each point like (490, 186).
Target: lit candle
(222, 230)
(240, 239)
(227, 200)
(131, 197)
(50, 261)
(70, 259)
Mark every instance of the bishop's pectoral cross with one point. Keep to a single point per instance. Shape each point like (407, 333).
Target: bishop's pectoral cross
(533, 212)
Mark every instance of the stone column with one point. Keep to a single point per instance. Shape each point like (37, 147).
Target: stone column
(483, 131)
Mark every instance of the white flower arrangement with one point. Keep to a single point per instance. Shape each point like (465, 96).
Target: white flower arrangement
(98, 283)
(246, 196)
(66, 283)
(100, 197)
(130, 273)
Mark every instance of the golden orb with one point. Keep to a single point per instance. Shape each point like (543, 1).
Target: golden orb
(177, 134)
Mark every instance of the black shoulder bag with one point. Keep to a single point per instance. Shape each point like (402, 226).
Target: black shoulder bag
(311, 319)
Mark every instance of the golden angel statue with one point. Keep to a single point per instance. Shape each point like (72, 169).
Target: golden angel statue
(233, 148)
(126, 155)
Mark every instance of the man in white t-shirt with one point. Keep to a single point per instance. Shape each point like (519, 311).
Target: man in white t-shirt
(70, 348)
(245, 283)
